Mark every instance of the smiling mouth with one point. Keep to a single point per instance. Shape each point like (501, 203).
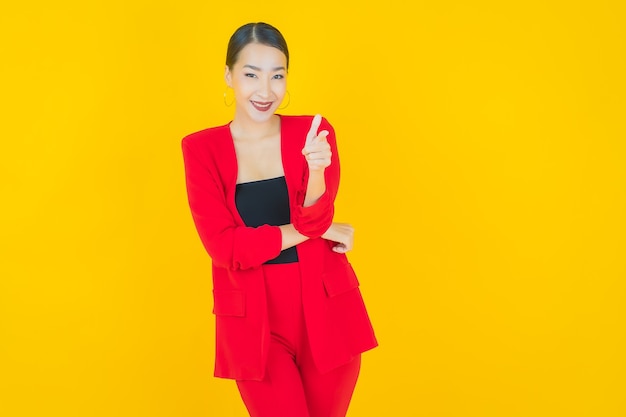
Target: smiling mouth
(262, 106)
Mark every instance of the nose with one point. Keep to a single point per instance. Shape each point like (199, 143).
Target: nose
(264, 88)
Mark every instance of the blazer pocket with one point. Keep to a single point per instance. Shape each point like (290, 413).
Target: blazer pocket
(339, 280)
(229, 303)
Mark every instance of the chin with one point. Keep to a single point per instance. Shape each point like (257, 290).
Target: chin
(261, 117)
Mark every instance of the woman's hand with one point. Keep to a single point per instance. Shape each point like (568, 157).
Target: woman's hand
(316, 148)
(343, 234)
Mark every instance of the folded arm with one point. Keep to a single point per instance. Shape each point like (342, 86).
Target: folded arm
(228, 244)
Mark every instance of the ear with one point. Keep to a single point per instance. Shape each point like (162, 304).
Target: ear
(228, 76)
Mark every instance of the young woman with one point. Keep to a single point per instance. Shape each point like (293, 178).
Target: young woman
(290, 320)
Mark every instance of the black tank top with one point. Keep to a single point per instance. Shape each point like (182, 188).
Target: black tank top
(266, 202)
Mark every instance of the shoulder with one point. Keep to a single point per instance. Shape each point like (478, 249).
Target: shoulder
(210, 147)
(209, 137)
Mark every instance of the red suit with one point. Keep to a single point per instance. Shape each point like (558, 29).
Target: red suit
(337, 322)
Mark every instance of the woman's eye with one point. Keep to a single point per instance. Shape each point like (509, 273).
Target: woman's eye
(250, 75)
(279, 76)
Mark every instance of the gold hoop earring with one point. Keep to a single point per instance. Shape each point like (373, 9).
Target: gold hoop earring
(225, 93)
(288, 101)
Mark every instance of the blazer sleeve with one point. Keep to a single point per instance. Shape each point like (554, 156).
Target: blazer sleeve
(314, 220)
(229, 245)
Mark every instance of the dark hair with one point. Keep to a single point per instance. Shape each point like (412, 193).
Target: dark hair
(260, 32)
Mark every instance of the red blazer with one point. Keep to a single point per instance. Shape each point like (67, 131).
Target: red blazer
(337, 321)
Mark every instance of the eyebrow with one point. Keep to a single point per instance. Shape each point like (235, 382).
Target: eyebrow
(259, 69)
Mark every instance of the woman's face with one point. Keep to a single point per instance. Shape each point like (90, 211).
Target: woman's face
(259, 79)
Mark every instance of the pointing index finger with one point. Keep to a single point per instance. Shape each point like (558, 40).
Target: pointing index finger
(315, 124)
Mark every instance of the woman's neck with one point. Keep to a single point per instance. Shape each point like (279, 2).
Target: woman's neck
(246, 129)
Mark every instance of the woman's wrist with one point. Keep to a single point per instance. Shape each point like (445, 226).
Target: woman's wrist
(328, 234)
(290, 236)
(316, 187)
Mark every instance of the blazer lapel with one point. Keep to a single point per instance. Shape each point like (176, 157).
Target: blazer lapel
(292, 142)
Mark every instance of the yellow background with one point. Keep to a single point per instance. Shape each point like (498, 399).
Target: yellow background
(483, 157)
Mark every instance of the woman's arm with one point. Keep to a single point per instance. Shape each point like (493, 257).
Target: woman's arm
(316, 187)
(318, 157)
(229, 245)
(315, 213)
(291, 237)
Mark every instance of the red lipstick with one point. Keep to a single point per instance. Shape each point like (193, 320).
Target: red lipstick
(261, 106)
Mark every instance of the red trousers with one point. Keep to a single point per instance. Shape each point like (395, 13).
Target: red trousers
(292, 386)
